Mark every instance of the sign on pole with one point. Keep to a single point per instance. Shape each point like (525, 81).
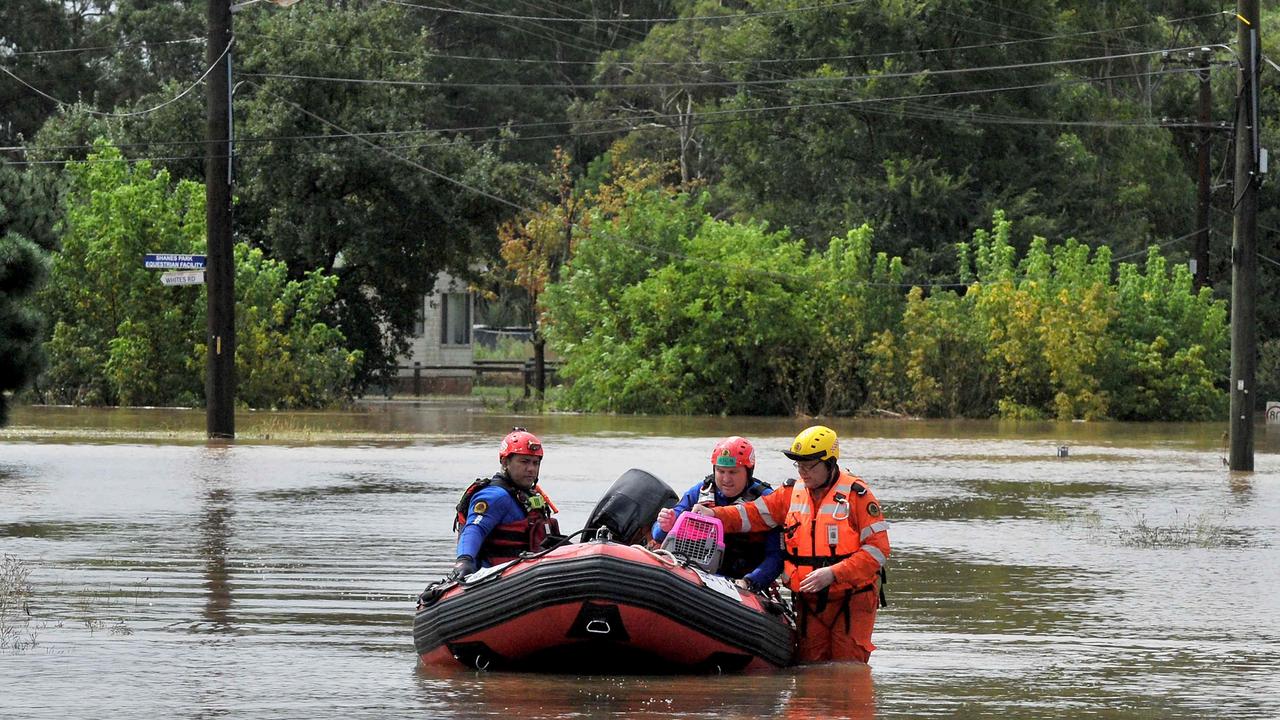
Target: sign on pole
(1273, 413)
(163, 261)
(183, 277)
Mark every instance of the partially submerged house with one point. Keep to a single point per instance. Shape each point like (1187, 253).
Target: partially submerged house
(441, 356)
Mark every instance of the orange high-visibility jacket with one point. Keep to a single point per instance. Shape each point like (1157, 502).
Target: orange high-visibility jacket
(847, 532)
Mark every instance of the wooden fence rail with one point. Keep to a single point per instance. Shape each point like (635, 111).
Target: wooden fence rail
(480, 367)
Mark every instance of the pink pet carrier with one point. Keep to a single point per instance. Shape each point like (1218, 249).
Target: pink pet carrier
(698, 539)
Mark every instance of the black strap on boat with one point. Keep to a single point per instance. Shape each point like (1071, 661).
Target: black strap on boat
(551, 543)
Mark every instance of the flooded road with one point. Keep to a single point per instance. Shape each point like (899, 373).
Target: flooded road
(147, 574)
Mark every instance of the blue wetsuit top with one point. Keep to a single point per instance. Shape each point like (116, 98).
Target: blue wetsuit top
(499, 509)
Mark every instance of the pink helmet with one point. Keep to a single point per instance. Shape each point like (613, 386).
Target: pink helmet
(519, 442)
(734, 451)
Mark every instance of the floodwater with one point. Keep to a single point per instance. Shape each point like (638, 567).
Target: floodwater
(1134, 578)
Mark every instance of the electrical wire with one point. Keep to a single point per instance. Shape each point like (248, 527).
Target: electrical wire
(624, 20)
(725, 83)
(556, 35)
(727, 62)
(121, 46)
(1161, 244)
(170, 101)
(401, 158)
(639, 122)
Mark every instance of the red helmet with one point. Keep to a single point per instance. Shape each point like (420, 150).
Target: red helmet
(519, 442)
(734, 451)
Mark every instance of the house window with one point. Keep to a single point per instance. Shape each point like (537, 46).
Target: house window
(420, 318)
(455, 319)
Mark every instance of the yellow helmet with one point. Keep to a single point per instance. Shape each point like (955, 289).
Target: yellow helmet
(815, 443)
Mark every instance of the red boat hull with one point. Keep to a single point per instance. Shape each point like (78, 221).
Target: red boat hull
(602, 607)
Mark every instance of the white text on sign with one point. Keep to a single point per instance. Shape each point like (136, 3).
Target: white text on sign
(164, 261)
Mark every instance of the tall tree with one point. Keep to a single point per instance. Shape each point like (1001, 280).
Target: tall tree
(119, 336)
(27, 213)
(535, 246)
(922, 118)
(350, 177)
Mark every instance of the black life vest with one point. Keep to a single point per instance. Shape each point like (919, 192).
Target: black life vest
(508, 540)
(743, 552)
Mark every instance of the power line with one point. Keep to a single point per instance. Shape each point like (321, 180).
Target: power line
(554, 35)
(95, 48)
(723, 62)
(652, 117)
(720, 83)
(170, 101)
(624, 20)
(401, 158)
(1161, 244)
(701, 119)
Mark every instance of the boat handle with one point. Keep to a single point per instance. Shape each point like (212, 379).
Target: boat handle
(599, 627)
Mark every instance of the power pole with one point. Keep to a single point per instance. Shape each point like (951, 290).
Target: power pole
(1244, 258)
(1205, 117)
(220, 379)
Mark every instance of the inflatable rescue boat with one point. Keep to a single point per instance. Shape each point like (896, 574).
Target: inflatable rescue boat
(607, 603)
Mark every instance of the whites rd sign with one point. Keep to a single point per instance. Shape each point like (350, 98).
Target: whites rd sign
(183, 277)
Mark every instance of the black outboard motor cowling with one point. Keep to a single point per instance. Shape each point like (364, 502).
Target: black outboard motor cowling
(630, 506)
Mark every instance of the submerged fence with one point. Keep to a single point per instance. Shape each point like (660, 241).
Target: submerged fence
(420, 379)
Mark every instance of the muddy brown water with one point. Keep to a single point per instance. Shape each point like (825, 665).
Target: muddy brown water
(1134, 578)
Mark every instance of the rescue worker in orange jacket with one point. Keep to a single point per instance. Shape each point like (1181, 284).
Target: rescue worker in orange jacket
(500, 517)
(835, 543)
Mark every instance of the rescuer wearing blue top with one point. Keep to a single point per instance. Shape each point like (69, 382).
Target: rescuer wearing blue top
(500, 517)
(752, 559)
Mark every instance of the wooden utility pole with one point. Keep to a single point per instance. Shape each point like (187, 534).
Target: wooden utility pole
(1244, 257)
(1203, 192)
(219, 386)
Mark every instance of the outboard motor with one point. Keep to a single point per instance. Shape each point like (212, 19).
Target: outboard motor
(630, 506)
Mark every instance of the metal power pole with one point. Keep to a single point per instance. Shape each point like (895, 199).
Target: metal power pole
(1203, 144)
(219, 386)
(1244, 258)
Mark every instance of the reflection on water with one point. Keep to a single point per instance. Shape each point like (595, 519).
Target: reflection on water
(1134, 578)
(820, 691)
(214, 532)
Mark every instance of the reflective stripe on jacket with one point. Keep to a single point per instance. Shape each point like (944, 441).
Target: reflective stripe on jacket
(846, 532)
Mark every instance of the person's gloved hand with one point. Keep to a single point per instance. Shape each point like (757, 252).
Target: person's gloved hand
(666, 519)
(462, 567)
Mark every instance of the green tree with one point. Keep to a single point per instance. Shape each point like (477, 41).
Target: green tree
(535, 245)
(34, 40)
(120, 337)
(1053, 334)
(664, 309)
(825, 118)
(26, 236)
(386, 220)
(286, 356)
(1172, 359)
